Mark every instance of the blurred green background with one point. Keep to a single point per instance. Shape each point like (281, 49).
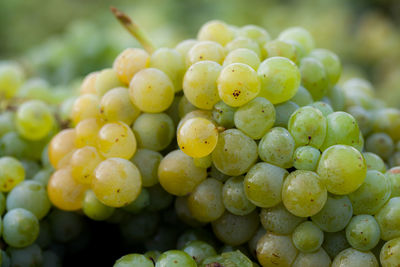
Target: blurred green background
(62, 40)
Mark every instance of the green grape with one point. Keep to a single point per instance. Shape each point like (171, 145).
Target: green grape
(387, 120)
(303, 193)
(31, 196)
(234, 197)
(198, 113)
(255, 118)
(325, 108)
(173, 110)
(244, 228)
(263, 184)
(315, 259)
(313, 77)
(185, 107)
(394, 176)
(128, 63)
(65, 226)
(5, 259)
(307, 237)
(380, 144)
(183, 212)
(363, 118)
(372, 194)
(184, 47)
(331, 64)
(363, 232)
(13, 145)
(152, 255)
(355, 258)
(199, 250)
(163, 239)
(216, 174)
(374, 162)
(252, 244)
(159, 198)
(243, 42)
(388, 218)
(300, 35)
(238, 83)
(154, 131)
(106, 79)
(395, 159)
(147, 162)
(139, 227)
(2, 204)
(342, 169)
(336, 97)
(205, 50)
(20, 228)
(334, 243)
(31, 168)
(302, 97)
(205, 202)
(7, 124)
(94, 209)
(171, 63)
(43, 176)
(280, 79)
(178, 175)
(256, 33)
(175, 258)
(230, 258)
(235, 153)
(140, 203)
(35, 88)
(50, 259)
(133, 260)
(306, 158)
(217, 31)
(11, 173)
(28, 256)
(276, 250)
(278, 48)
(279, 220)
(223, 115)
(200, 84)
(283, 112)
(335, 214)
(195, 234)
(308, 127)
(243, 55)
(390, 253)
(44, 239)
(151, 90)
(360, 144)
(203, 162)
(11, 78)
(277, 147)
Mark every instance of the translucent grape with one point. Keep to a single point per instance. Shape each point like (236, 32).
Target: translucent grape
(223, 115)
(334, 243)
(35, 88)
(107, 79)
(27, 256)
(234, 197)
(387, 120)
(94, 209)
(199, 250)
(300, 35)
(88, 84)
(175, 258)
(258, 34)
(314, 77)
(185, 107)
(147, 162)
(325, 108)
(217, 31)
(83, 163)
(390, 253)
(243, 55)
(205, 50)
(11, 173)
(228, 258)
(243, 42)
(307, 237)
(331, 63)
(316, 259)
(7, 119)
(336, 97)
(283, 112)
(306, 158)
(276, 250)
(184, 47)
(20, 228)
(380, 144)
(363, 232)
(388, 218)
(203, 162)
(363, 118)
(11, 78)
(279, 220)
(133, 260)
(374, 162)
(356, 258)
(278, 48)
(302, 97)
(394, 176)
(86, 132)
(85, 107)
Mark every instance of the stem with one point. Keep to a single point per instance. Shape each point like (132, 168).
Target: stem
(133, 29)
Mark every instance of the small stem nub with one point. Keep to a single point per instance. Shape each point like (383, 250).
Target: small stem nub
(133, 29)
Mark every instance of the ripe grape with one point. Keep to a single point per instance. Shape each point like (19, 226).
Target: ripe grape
(363, 232)
(279, 220)
(356, 258)
(388, 218)
(243, 42)
(217, 31)
(20, 228)
(11, 173)
(300, 35)
(315, 259)
(243, 55)
(276, 250)
(147, 162)
(205, 50)
(390, 253)
(307, 237)
(234, 197)
(306, 158)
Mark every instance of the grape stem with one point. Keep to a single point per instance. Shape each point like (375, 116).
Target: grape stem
(133, 29)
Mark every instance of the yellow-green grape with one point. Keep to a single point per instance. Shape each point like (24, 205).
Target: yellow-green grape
(140, 203)
(88, 84)
(363, 118)
(183, 212)
(34, 120)
(171, 63)
(302, 97)
(106, 79)
(223, 115)
(355, 258)
(185, 107)
(280, 79)
(255, 118)
(205, 202)
(151, 90)
(129, 62)
(11, 78)
(277, 147)
(117, 182)
(83, 163)
(235, 153)
(205, 50)
(372, 194)
(134, 259)
(315, 259)
(243, 42)
(94, 209)
(278, 48)
(116, 139)
(283, 112)
(197, 137)
(363, 232)
(154, 131)
(175, 257)
(115, 105)
(11, 173)
(314, 77)
(307, 237)
(303, 193)
(306, 158)
(178, 175)
(394, 176)
(217, 31)
(388, 218)
(173, 110)
(243, 55)
(197, 113)
(203, 162)
(7, 124)
(184, 47)
(253, 241)
(238, 84)
(243, 227)
(199, 250)
(394, 160)
(374, 162)
(159, 198)
(263, 184)
(300, 35)
(342, 169)
(64, 191)
(234, 197)
(279, 220)
(388, 120)
(325, 108)
(256, 33)
(334, 243)
(85, 107)
(147, 162)
(360, 144)
(62, 145)
(86, 132)
(331, 63)
(380, 144)
(200, 84)
(390, 253)
(276, 250)
(336, 96)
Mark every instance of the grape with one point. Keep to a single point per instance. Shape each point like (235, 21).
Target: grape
(243, 55)
(334, 243)
(223, 114)
(203, 162)
(2, 204)
(139, 227)
(13, 145)
(88, 84)
(395, 159)
(363, 232)
(342, 169)
(234, 197)
(217, 31)
(129, 62)
(278, 48)
(85, 107)
(86, 132)
(151, 90)
(314, 77)
(372, 194)
(235, 153)
(388, 218)
(255, 118)
(279, 220)
(185, 107)
(390, 253)
(302, 97)
(325, 108)
(205, 50)
(353, 257)
(308, 127)
(243, 42)
(306, 158)
(380, 144)
(35, 88)
(238, 84)
(303, 193)
(387, 120)
(11, 78)
(147, 162)
(199, 250)
(83, 163)
(152, 255)
(178, 175)
(252, 244)
(65, 226)
(11, 173)
(159, 198)
(194, 234)
(50, 259)
(94, 209)
(154, 131)
(7, 125)
(256, 33)
(117, 182)
(184, 47)
(28, 256)
(280, 79)
(307, 237)
(277, 147)
(335, 214)
(276, 250)
(175, 258)
(200, 84)
(283, 112)
(374, 162)
(141, 202)
(336, 97)
(20, 228)
(316, 259)
(107, 79)
(263, 184)
(43, 176)
(183, 212)
(363, 118)
(331, 63)
(31, 167)
(300, 35)
(133, 260)
(394, 176)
